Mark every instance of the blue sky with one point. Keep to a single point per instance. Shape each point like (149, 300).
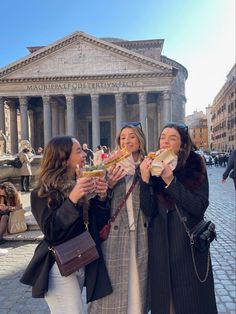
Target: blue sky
(200, 34)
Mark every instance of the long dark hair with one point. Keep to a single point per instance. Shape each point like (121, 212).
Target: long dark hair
(54, 172)
(187, 144)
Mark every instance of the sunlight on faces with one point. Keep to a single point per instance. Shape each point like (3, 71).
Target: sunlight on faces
(170, 138)
(129, 140)
(77, 156)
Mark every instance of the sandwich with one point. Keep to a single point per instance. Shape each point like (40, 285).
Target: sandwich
(92, 171)
(152, 155)
(166, 156)
(116, 157)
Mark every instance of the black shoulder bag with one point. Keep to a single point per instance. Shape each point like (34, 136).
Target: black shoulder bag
(200, 237)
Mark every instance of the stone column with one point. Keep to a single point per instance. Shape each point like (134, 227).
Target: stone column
(47, 119)
(31, 128)
(95, 120)
(119, 111)
(166, 108)
(2, 122)
(143, 111)
(55, 118)
(24, 118)
(70, 115)
(61, 120)
(13, 128)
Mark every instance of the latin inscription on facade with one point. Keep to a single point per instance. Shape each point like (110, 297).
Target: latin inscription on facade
(81, 85)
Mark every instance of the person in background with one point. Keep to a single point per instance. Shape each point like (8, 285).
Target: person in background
(57, 205)
(126, 249)
(25, 171)
(40, 151)
(89, 154)
(105, 153)
(9, 201)
(97, 158)
(175, 287)
(230, 168)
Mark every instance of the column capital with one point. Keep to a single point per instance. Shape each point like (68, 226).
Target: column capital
(46, 100)
(142, 97)
(69, 99)
(166, 95)
(23, 100)
(94, 98)
(53, 102)
(119, 97)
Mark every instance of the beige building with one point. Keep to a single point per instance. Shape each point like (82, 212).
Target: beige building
(198, 130)
(223, 116)
(88, 87)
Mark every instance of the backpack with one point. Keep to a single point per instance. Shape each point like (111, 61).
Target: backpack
(16, 163)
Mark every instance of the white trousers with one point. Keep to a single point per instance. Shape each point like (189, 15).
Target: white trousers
(64, 293)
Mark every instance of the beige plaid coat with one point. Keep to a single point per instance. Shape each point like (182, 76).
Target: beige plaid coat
(116, 254)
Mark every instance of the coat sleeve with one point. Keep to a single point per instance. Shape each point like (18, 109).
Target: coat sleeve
(230, 166)
(54, 223)
(101, 210)
(148, 202)
(195, 202)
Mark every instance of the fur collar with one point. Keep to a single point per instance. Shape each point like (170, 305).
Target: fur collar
(193, 173)
(191, 176)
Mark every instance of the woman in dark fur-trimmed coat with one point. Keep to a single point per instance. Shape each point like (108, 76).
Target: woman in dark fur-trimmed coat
(175, 288)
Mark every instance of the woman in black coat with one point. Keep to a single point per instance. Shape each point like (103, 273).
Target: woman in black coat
(175, 287)
(57, 205)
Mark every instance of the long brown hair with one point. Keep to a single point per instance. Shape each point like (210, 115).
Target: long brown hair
(137, 128)
(54, 173)
(12, 195)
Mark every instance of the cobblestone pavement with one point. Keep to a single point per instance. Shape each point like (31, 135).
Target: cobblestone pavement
(16, 297)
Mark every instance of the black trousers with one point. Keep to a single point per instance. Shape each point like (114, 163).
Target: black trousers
(25, 181)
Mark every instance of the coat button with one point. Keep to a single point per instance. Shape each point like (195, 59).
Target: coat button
(116, 228)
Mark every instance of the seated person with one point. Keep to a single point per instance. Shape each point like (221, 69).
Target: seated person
(9, 201)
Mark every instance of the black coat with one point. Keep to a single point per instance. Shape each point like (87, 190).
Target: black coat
(171, 266)
(60, 223)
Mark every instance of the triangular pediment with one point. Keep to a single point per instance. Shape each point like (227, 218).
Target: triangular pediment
(80, 54)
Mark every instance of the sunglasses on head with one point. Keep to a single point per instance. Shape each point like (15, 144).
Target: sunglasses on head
(177, 125)
(134, 123)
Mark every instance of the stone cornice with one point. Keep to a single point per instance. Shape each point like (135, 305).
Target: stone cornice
(175, 64)
(35, 48)
(86, 78)
(152, 43)
(68, 40)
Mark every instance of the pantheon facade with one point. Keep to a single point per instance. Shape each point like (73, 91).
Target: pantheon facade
(90, 87)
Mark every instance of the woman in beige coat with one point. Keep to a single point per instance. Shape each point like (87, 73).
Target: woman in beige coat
(25, 170)
(126, 249)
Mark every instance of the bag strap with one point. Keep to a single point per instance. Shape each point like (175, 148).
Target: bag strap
(85, 212)
(112, 219)
(183, 219)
